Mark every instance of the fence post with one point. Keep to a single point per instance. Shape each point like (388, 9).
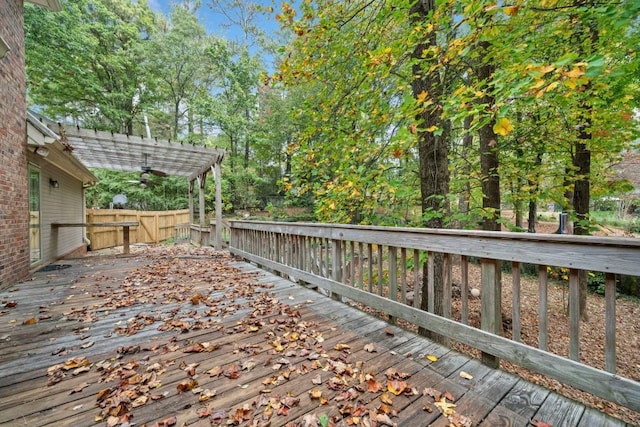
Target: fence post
(491, 309)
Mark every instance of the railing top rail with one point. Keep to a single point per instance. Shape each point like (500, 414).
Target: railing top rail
(607, 254)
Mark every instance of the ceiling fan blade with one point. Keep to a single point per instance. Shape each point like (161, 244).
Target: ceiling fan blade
(157, 173)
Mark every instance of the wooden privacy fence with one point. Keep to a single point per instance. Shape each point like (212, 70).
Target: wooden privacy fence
(155, 226)
(376, 267)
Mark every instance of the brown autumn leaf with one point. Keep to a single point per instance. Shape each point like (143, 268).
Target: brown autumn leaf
(458, 420)
(373, 386)
(340, 347)
(232, 372)
(538, 423)
(215, 371)
(203, 413)
(389, 332)
(195, 299)
(76, 362)
(187, 385)
(383, 419)
(315, 394)
(241, 414)
(396, 386)
(196, 348)
(432, 392)
(31, 321)
(206, 394)
(79, 388)
(167, 422)
(386, 398)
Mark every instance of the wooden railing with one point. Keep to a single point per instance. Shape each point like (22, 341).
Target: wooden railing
(376, 267)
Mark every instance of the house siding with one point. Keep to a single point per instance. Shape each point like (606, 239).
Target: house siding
(63, 204)
(14, 211)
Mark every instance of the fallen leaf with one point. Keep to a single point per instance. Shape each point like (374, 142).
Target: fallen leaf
(396, 386)
(79, 388)
(538, 423)
(445, 407)
(465, 375)
(141, 400)
(386, 398)
(203, 413)
(370, 348)
(206, 395)
(167, 422)
(388, 331)
(341, 347)
(373, 386)
(31, 321)
(187, 385)
(431, 358)
(458, 420)
(315, 394)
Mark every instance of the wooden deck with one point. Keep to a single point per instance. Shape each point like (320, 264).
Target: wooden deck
(196, 335)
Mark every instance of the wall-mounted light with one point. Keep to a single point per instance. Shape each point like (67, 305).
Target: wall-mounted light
(41, 151)
(3, 48)
(53, 183)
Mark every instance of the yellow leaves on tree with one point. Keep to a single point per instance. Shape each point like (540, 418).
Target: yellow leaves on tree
(502, 126)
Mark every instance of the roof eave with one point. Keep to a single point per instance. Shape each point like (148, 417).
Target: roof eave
(53, 5)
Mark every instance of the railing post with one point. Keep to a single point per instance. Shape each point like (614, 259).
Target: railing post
(491, 311)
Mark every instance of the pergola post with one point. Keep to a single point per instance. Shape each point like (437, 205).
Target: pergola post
(202, 178)
(217, 175)
(191, 213)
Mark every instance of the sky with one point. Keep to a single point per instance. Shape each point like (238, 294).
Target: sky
(214, 23)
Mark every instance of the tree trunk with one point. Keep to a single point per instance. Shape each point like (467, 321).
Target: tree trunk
(587, 36)
(489, 154)
(533, 199)
(465, 196)
(433, 157)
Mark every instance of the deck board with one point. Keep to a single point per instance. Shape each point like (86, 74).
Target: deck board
(490, 398)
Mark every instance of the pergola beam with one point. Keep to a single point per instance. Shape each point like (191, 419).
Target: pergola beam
(128, 153)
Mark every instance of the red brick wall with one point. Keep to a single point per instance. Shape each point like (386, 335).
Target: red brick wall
(14, 214)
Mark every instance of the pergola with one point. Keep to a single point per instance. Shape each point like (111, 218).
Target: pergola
(120, 152)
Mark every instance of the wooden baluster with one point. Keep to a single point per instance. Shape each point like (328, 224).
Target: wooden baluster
(352, 268)
(574, 315)
(336, 260)
(464, 289)
(446, 279)
(380, 271)
(360, 266)
(403, 275)
(417, 283)
(610, 323)
(393, 277)
(542, 307)
(515, 297)
(431, 289)
(370, 256)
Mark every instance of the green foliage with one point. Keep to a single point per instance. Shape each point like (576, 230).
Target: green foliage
(85, 62)
(166, 193)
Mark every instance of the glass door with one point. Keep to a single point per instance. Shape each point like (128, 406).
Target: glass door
(34, 215)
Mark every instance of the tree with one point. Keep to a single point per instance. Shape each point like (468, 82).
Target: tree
(178, 58)
(98, 75)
